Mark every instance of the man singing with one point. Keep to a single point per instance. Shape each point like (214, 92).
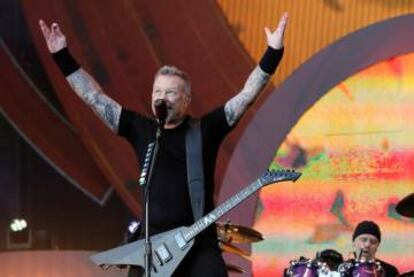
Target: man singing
(172, 199)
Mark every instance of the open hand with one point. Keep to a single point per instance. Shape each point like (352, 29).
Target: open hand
(55, 40)
(275, 38)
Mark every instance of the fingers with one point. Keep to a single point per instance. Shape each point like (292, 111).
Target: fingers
(56, 29)
(44, 28)
(267, 31)
(275, 37)
(283, 22)
(54, 26)
(281, 26)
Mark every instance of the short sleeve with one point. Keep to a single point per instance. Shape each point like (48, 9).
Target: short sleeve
(136, 128)
(125, 122)
(215, 126)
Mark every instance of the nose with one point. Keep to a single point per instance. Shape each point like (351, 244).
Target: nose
(160, 96)
(366, 243)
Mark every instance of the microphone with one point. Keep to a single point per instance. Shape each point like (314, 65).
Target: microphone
(360, 254)
(160, 107)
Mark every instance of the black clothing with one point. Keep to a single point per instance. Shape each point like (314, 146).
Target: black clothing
(169, 189)
(65, 61)
(203, 260)
(390, 270)
(367, 227)
(271, 60)
(170, 202)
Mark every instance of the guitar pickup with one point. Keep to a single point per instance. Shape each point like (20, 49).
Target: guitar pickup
(163, 253)
(156, 259)
(180, 241)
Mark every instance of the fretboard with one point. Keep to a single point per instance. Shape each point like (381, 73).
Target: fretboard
(226, 206)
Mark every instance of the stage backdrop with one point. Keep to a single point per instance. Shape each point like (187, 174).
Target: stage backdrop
(326, 44)
(355, 148)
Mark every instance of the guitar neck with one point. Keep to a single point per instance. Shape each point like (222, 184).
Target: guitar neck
(222, 209)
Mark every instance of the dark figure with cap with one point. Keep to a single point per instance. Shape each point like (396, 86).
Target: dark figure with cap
(366, 240)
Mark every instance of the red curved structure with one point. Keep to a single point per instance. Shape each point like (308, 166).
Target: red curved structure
(122, 44)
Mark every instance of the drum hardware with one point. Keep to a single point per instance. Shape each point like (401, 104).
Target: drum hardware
(229, 232)
(361, 268)
(330, 259)
(230, 248)
(303, 267)
(234, 268)
(325, 264)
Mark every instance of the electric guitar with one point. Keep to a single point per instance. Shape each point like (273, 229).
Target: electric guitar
(169, 248)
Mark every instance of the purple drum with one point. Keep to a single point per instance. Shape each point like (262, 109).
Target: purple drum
(303, 268)
(362, 269)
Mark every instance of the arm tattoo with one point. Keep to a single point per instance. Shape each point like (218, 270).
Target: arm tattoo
(238, 105)
(91, 93)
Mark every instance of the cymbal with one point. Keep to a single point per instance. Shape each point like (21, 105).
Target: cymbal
(230, 248)
(236, 233)
(234, 268)
(406, 206)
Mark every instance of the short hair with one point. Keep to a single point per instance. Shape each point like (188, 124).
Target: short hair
(170, 70)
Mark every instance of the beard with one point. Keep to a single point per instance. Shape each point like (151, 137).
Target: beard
(173, 117)
(367, 255)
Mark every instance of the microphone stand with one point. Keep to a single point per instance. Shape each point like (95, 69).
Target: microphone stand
(148, 244)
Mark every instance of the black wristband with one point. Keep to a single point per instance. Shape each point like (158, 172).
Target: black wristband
(271, 59)
(65, 61)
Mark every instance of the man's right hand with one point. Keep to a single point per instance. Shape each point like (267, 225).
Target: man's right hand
(55, 40)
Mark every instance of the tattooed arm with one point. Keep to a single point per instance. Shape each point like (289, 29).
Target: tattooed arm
(91, 93)
(80, 81)
(258, 79)
(237, 105)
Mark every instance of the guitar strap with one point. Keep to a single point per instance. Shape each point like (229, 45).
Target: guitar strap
(195, 168)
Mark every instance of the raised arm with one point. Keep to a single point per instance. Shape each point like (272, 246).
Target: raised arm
(81, 82)
(258, 79)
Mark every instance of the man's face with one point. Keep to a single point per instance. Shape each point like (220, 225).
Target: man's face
(171, 89)
(368, 244)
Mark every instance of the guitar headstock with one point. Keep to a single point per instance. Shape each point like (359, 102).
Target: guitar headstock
(279, 175)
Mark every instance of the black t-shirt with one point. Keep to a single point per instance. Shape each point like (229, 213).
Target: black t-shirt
(390, 270)
(170, 205)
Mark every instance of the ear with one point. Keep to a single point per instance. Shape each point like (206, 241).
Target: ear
(188, 99)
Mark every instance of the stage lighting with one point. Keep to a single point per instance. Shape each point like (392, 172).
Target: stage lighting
(134, 230)
(19, 235)
(133, 226)
(18, 225)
